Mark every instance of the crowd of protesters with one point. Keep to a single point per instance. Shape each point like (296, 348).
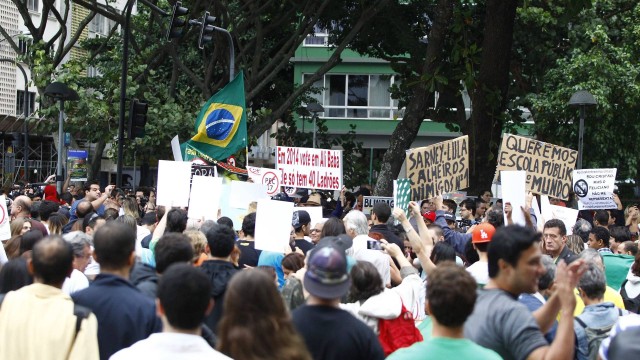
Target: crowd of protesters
(104, 274)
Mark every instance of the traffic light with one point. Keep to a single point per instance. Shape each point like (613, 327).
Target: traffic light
(179, 21)
(206, 30)
(137, 118)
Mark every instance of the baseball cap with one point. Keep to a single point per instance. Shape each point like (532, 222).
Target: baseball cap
(449, 217)
(482, 233)
(326, 276)
(430, 215)
(300, 218)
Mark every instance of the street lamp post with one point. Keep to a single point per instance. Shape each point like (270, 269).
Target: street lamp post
(60, 92)
(314, 108)
(583, 99)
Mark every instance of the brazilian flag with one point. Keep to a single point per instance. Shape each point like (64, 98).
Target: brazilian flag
(221, 126)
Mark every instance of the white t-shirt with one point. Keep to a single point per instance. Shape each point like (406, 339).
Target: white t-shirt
(170, 346)
(76, 282)
(480, 271)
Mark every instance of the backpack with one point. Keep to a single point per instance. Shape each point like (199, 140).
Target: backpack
(595, 336)
(632, 305)
(399, 332)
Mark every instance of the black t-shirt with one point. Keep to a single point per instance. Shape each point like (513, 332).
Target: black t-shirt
(304, 245)
(332, 333)
(248, 253)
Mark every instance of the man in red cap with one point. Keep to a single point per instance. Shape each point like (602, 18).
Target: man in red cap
(480, 237)
(429, 217)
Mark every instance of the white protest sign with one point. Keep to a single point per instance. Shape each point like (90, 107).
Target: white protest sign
(369, 201)
(205, 197)
(273, 225)
(514, 192)
(174, 179)
(309, 168)
(315, 213)
(236, 215)
(594, 188)
(5, 227)
(568, 216)
(536, 211)
(545, 208)
(175, 148)
(243, 193)
(266, 177)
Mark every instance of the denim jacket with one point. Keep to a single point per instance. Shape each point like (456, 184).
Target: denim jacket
(594, 316)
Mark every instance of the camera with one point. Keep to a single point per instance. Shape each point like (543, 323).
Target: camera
(373, 245)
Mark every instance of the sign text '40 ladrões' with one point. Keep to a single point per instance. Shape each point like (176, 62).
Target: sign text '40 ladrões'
(309, 168)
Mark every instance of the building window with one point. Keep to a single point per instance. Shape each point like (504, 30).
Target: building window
(31, 104)
(93, 72)
(24, 44)
(320, 37)
(355, 96)
(100, 26)
(33, 5)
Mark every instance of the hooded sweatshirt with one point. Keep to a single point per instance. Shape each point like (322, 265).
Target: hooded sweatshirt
(633, 285)
(219, 273)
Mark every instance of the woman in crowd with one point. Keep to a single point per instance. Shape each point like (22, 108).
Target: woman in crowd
(57, 221)
(14, 275)
(255, 323)
(631, 220)
(292, 291)
(20, 226)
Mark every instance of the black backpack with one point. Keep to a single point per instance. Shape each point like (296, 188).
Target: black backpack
(632, 305)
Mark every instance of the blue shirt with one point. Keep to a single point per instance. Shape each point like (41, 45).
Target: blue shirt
(125, 315)
(594, 316)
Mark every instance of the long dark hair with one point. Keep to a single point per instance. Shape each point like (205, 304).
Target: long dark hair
(365, 282)
(332, 227)
(255, 323)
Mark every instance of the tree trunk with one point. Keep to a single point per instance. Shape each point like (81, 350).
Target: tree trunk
(96, 161)
(407, 129)
(489, 97)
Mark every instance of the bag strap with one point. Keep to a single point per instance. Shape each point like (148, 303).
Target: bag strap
(584, 326)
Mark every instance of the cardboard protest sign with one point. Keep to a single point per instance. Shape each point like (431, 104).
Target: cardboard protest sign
(594, 188)
(402, 194)
(77, 163)
(568, 216)
(243, 193)
(438, 169)
(205, 197)
(548, 166)
(266, 177)
(310, 168)
(273, 225)
(174, 178)
(514, 192)
(369, 201)
(5, 227)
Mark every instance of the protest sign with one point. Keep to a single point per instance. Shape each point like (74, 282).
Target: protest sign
(438, 169)
(205, 197)
(545, 208)
(235, 214)
(568, 216)
(513, 192)
(77, 164)
(538, 214)
(309, 168)
(5, 227)
(266, 177)
(594, 188)
(369, 201)
(273, 225)
(174, 178)
(548, 166)
(315, 213)
(402, 194)
(243, 193)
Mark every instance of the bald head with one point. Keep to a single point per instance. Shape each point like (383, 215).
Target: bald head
(52, 261)
(84, 208)
(21, 206)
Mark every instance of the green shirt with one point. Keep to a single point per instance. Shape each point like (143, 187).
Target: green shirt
(616, 268)
(444, 348)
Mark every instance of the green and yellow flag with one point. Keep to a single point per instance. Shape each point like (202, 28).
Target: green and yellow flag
(221, 126)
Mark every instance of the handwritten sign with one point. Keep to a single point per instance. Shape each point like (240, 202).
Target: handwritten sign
(369, 201)
(266, 177)
(309, 168)
(548, 166)
(594, 188)
(439, 168)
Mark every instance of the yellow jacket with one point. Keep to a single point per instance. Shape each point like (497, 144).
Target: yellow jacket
(37, 322)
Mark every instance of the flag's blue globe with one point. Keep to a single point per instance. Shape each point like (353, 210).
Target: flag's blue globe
(219, 124)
